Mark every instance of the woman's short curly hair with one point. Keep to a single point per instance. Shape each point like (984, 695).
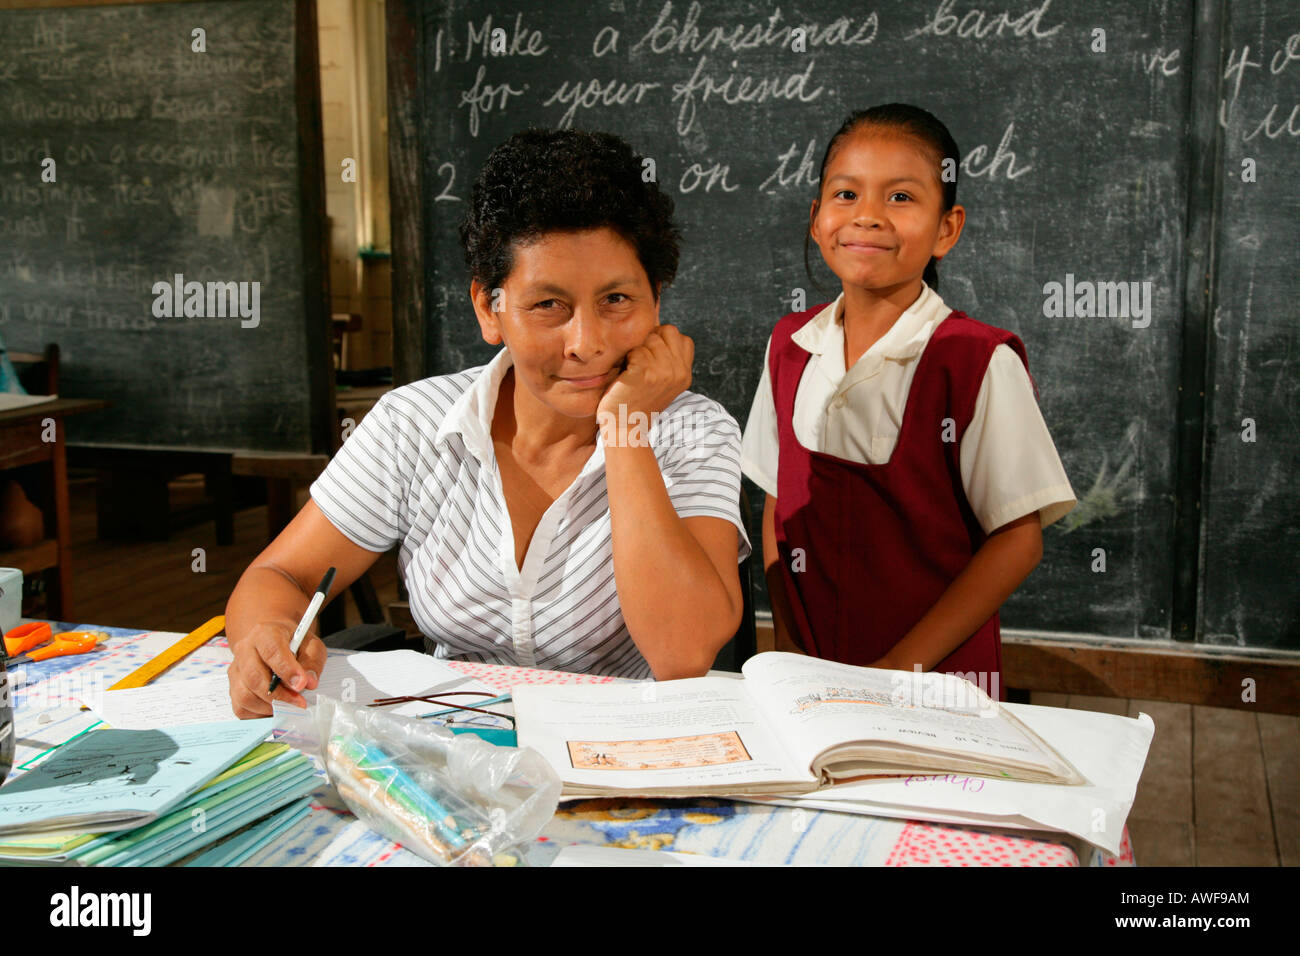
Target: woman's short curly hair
(562, 180)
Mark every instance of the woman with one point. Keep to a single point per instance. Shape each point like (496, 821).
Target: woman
(539, 526)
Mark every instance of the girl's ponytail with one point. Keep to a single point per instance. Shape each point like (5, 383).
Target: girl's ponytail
(931, 275)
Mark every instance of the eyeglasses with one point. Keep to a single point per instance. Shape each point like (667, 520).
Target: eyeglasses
(451, 708)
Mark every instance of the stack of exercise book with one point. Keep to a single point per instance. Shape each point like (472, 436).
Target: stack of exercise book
(151, 797)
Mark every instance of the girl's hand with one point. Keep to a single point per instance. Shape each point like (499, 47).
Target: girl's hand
(655, 373)
(264, 650)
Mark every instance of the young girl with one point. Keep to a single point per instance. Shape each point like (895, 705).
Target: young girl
(908, 470)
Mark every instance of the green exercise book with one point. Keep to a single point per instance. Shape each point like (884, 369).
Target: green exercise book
(243, 843)
(204, 821)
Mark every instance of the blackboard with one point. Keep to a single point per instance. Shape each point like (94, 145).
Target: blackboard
(168, 161)
(1252, 501)
(1079, 127)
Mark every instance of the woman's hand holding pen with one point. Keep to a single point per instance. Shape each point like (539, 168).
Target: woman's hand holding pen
(264, 650)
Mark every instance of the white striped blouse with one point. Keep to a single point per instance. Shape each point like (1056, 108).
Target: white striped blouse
(421, 470)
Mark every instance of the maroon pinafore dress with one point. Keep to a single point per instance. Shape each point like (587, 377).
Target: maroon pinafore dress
(879, 544)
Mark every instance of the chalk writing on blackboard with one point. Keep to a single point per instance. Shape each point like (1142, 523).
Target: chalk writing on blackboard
(1276, 120)
(484, 98)
(976, 23)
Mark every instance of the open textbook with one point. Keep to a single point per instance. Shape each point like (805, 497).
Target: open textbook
(1108, 749)
(794, 724)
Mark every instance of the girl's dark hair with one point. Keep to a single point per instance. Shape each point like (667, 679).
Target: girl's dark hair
(552, 180)
(911, 121)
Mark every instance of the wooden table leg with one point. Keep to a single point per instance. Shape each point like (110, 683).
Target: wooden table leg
(219, 483)
(58, 580)
(280, 495)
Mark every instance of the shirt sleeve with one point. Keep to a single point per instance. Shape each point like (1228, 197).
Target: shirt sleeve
(363, 490)
(1009, 465)
(705, 481)
(760, 449)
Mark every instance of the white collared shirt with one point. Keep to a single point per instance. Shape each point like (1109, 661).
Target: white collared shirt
(421, 469)
(1009, 465)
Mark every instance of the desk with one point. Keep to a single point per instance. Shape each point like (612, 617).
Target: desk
(330, 835)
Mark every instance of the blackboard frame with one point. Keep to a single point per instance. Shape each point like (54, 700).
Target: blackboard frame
(405, 43)
(1205, 144)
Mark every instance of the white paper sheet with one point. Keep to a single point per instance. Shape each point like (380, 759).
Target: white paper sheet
(166, 704)
(368, 675)
(360, 677)
(402, 672)
(11, 400)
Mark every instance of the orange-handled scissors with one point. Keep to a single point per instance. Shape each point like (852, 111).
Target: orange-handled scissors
(28, 636)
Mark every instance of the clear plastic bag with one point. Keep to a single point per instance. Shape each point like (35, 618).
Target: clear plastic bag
(455, 800)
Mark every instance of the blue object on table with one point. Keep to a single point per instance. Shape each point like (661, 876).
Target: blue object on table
(501, 736)
(9, 382)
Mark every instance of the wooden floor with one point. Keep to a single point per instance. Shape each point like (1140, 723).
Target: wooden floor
(155, 584)
(1221, 787)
